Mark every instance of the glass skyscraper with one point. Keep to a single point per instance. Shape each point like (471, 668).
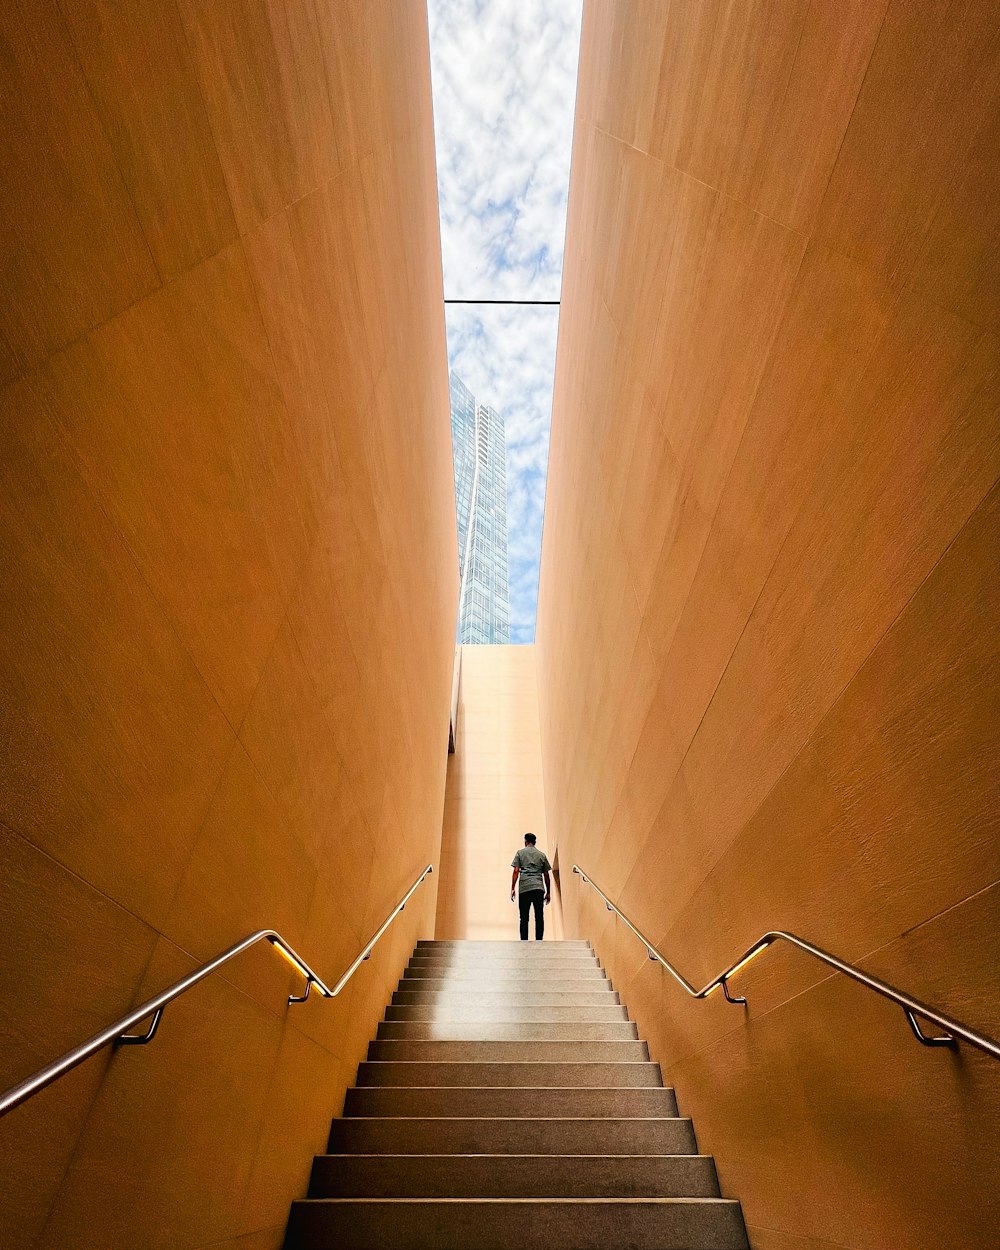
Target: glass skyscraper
(480, 446)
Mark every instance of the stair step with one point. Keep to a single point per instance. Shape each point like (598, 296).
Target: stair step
(514, 1176)
(517, 1224)
(452, 1073)
(462, 944)
(507, 967)
(503, 1031)
(488, 983)
(507, 950)
(475, 983)
(562, 1103)
(511, 1014)
(527, 959)
(514, 998)
(479, 1135)
(504, 948)
(605, 1011)
(499, 1052)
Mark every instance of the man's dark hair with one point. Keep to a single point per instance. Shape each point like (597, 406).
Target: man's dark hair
(530, 837)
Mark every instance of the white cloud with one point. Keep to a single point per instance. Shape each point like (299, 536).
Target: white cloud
(504, 75)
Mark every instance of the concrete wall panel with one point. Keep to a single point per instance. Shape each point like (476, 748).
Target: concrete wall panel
(767, 655)
(229, 566)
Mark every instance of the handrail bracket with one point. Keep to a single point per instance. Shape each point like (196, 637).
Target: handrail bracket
(142, 1039)
(737, 1001)
(923, 1038)
(301, 998)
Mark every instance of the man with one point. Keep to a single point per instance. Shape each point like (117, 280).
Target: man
(530, 867)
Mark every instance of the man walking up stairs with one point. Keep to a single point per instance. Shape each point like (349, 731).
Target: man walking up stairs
(507, 1103)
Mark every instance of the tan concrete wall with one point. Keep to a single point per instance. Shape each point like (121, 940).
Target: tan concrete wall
(768, 630)
(228, 559)
(494, 796)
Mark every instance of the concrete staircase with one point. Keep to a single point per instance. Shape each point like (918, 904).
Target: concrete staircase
(507, 1103)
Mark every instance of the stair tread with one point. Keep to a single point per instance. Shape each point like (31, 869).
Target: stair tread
(590, 982)
(508, 964)
(525, 1015)
(580, 1052)
(550, 1135)
(527, 1223)
(534, 1090)
(498, 972)
(474, 1063)
(507, 1031)
(541, 1159)
(579, 970)
(507, 1201)
(420, 998)
(613, 1074)
(569, 1102)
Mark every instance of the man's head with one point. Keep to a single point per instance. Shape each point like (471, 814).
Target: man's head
(529, 839)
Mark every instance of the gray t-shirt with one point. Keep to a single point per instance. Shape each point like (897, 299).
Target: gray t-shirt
(531, 863)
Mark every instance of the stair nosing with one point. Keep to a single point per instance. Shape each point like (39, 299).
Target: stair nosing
(533, 1119)
(500, 1155)
(534, 1089)
(499, 1201)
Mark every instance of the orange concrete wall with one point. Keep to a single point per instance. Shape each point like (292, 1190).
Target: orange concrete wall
(768, 642)
(229, 589)
(494, 795)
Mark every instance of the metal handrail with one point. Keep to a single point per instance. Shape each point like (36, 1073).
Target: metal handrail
(912, 1007)
(118, 1034)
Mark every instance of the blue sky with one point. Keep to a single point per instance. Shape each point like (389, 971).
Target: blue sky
(504, 79)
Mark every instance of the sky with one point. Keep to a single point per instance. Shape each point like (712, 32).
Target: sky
(504, 82)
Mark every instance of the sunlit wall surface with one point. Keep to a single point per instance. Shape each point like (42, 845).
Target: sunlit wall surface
(480, 448)
(769, 623)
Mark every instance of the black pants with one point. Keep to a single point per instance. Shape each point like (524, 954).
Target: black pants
(527, 900)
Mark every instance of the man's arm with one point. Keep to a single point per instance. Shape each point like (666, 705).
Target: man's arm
(513, 881)
(548, 888)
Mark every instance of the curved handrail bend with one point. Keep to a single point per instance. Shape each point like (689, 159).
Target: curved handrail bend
(118, 1033)
(912, 1007)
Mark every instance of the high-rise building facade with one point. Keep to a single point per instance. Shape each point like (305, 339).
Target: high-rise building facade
(480, 447)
